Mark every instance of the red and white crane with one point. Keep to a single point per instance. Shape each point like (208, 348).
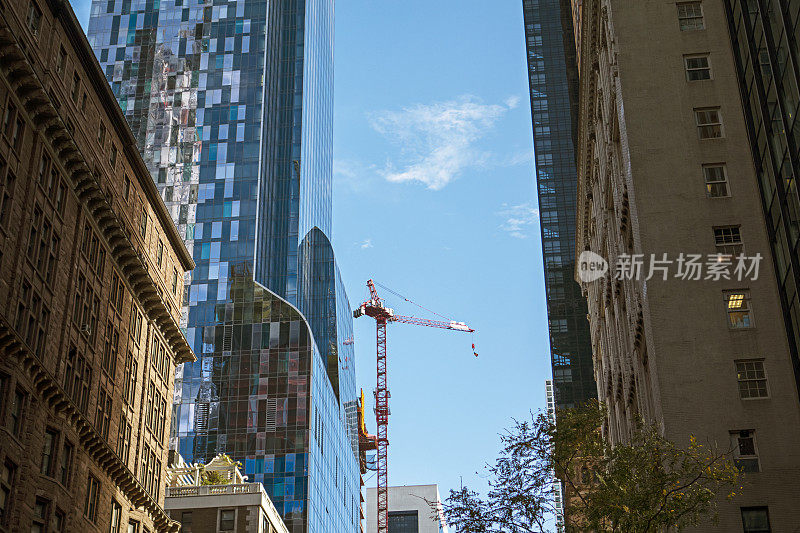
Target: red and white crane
(383, 315)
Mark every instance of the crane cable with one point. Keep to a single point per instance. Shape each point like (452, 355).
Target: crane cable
(384, 287)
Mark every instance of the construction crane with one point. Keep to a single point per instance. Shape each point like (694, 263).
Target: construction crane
(383, 315)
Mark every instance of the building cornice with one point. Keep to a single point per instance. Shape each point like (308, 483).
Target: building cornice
(588, 68)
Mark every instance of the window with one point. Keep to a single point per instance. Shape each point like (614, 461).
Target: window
(133, 526)
(8, 474)
(124, 439)
(48, 452)
(697, 67)
(58, 522)
(186, 522)
(112, 157)
(77, 378)
(32, 318)
(227, 519)
(150, 405)
(6, 197)
(16, 411)
(690, 16)
(103, 417)
(44, 167)
(34, 19)
(150, 471)
(174, 281)
(116, 516)
(752, 378)
(709, 123)
(77, 311)
(404, 521)
(117, 292)
(92, 495)
(65, 463)
(8, 118)
(61, 196)
(136, 325)
(62, 60)
(76, 87)
(745, 454)
(737, 304)
(755, 520)
(101, 135)
(111, 350)
(127, 188)
(17, 131)
(143, 225)
(129, 386)
(3, 384)
(43, 245)
(160, 253)
(728, 240)
(41, 511)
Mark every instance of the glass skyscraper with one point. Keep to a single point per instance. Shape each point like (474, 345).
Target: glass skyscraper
(553, 77)
(232, 107)
(765, 37)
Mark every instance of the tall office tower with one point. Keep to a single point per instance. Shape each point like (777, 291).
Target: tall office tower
(91, 275)
(696, 338)
(231, 103)
(766, 56)
(553, 76)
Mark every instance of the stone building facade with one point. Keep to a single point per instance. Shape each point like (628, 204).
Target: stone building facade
(91, 286)
(225, 503)
(665, 167)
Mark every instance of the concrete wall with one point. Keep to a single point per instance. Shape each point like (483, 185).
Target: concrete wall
(406, 498)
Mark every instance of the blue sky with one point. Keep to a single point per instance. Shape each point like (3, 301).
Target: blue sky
(435, 197)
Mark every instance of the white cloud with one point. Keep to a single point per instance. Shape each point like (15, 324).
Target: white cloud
(518, 219)
(438, 140)
(523, 157)
(512, 102)
(366, 243)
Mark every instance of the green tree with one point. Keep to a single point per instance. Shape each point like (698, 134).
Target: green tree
(212, 477)
(643, 486)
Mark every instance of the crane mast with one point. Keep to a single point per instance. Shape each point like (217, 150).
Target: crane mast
(375, 308)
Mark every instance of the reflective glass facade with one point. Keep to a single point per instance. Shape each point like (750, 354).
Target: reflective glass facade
(231, 104)
(553, 76)
(765, 36)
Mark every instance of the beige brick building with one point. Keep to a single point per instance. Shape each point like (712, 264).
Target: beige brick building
(665, 167)
(91, 284)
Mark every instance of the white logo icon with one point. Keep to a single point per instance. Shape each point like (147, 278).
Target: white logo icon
(591, 266)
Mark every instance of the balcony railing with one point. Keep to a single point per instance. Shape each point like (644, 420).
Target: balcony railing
(213, 490)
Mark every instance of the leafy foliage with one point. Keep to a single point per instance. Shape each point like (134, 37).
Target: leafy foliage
(212, 477)
(645, 485)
